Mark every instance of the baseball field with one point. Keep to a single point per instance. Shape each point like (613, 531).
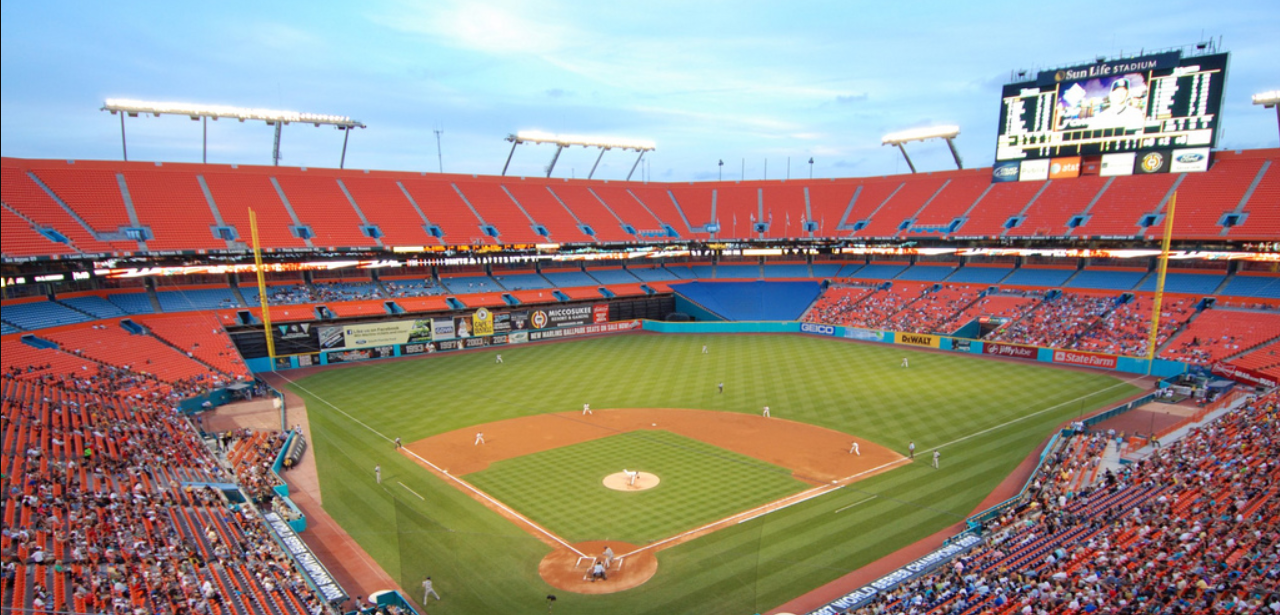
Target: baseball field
(744, 515)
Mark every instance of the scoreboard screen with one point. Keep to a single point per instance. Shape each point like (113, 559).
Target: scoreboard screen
(1130, 105)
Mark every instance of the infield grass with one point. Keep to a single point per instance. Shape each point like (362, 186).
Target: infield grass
(986, 415)
(562, 489)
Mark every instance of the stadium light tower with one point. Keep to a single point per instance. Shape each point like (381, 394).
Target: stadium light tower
(1269, 100)
(273, 117)
(947, 133)
(562, 141)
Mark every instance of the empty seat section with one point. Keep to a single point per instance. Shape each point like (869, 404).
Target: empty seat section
(1265, 360)
(1250, 284)
(1119, 211)
(1263, 209)
(445, 209)
(591, 212)
(140, 353)
(695, 203)
(320, 204)
(41, 315)
(1203, 198)
(1003, 201)
(612, 276)
(1191, 283)
(1217, 334)
(20, 239)
(786, 271)
(950, 204)
(569, 278)
(466, 284)
(497, 209)
(20, 192)
(548, 212)
(385, 206)
(654, 274)
(902, 206)
(189, 299)
(737, 207)
(132, 303)
(828, 202)
(786, 202)
(522, 281)
(1038, 276)
(874, 194)
(981, 274)
(1107, 278)
(95, 305)
(623, 203)
(927, 272)
(825, 270)
(737, 272)
(1061, 199)
(94, 194)
(173, 206)
(878, 271)
(203, 337)
(236, 193)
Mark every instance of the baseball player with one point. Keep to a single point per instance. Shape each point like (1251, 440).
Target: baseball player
(377, 473)
(429, 589)
(608, 556)
(853, 450)
(905, 363)
(397, 442)
(911, 449)
(704, 349)
(632, 475)
(936, 455)
(498, 359)
(721, 385)
(479, 438)
(586, 409)
(766, 412)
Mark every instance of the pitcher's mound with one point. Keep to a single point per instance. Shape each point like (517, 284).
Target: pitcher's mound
(621, 482)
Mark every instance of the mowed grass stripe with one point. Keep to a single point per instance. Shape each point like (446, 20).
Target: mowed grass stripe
(700, 484)
(854, 388)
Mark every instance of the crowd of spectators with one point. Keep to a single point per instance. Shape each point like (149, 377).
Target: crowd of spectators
(835, 303)
(412, 288)
(934, 308)
(102, 513)
(1056, 322)
(251, 455)
(1125, 330)
(878, 307)
(1190, 530)
(1218, 334)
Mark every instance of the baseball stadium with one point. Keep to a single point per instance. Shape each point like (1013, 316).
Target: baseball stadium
(1045, 385)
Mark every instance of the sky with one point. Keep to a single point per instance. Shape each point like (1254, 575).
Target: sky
(761, 86)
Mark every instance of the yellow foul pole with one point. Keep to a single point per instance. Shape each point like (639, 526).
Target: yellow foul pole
(1160, 272)
(262, 289)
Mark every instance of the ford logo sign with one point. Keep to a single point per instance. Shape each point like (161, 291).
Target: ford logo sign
(1190, 157)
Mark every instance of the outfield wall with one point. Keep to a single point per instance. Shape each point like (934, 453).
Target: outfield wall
(1159, 367)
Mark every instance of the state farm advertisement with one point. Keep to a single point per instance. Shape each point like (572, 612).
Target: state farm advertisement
(1006, 350)
(1087, 359)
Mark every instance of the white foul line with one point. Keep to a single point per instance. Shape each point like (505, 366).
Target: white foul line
(857, 503)
(406, 487)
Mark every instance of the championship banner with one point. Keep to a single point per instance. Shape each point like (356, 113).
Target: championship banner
(917, 339)
(1087, 359)
(1242, 375)
(1007, 350)
(482, 322)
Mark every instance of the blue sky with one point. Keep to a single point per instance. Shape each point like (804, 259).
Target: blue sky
(750, 83)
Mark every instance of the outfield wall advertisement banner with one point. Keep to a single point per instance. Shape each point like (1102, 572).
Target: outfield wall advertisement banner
(923, 340)
(1087, 359)
(295, 338)
(568, 316)
(611, 327)
(375, 334)
(922, 566)
(1008, 350)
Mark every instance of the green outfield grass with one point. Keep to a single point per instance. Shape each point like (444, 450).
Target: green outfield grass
(986, 415)
(561, 489)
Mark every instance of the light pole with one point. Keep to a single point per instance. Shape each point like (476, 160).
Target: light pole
(810, 167)
(1268, 100)
(720, 172)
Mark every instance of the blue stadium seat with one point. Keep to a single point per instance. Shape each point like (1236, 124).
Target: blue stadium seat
(775, 272)
(523, 281)
(41, 315)
(1190, 283)
(95, 305)
(1262, 287)
(825, 270)
(878, 272)
(1107, 280)
(653, 274)
(752, 301)
(613, 276)
(925, 273)
(197, 299)
(569, 279)
(738, 272)
(1027, 276)
(470, 284)
(132, 303)
(979, 275)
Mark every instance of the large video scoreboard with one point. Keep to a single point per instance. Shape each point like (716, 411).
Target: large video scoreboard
(1134, 105)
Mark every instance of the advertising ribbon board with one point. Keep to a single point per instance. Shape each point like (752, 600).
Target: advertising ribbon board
(375, 334)
(307, 561)
(1242, 375)
(562, 317)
